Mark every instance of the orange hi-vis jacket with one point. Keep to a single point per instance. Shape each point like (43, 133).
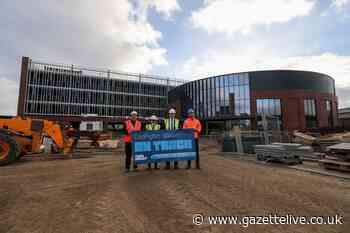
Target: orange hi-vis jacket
(131, 128)
(193, 123)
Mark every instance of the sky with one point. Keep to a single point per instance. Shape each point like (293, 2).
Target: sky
(177, 38)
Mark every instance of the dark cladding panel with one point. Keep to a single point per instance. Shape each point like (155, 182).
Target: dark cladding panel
(291, 80)
(23, 86)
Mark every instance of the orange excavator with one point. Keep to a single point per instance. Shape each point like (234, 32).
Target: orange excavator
(20, 136)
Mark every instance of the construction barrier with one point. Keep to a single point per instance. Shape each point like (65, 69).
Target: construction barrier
(163, 145)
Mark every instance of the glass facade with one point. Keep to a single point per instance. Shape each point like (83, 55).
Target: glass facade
(271, 110)
(226, 95)
(270, 107)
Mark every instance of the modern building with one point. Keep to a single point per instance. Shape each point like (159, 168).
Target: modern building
(289, 99)
(293, 99)
(70, 93)
(344, 118)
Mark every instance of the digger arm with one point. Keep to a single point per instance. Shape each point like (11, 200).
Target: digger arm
(29, 133)
(55, 131)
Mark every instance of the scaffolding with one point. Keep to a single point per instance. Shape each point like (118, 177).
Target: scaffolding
(68, 90)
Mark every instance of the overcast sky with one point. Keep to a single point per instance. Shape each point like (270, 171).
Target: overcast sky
(182, 38)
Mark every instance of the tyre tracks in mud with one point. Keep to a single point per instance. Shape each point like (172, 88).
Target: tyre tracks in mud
(98, 197)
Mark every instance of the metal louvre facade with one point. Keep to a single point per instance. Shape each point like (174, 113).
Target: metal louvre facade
(70, 91)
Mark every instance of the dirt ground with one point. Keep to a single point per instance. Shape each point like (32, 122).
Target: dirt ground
(91, 195)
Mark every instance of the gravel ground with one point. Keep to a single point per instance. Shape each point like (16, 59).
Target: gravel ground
(94, 195)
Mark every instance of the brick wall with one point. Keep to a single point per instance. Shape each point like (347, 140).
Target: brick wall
(293, 106)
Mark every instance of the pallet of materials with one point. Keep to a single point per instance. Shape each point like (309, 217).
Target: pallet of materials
(337, 157)
(288, 153)
(108, 144)
(334, 164)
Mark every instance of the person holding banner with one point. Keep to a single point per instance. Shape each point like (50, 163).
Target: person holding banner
(130, 125)
(153, 125)
(171, 123)
(193, 123)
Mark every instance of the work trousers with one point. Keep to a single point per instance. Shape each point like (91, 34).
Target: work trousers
(197, 155)
(155, 165)
(176, 163)
(128, 155)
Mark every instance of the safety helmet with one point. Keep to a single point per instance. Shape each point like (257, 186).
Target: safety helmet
(133, 113)
(190, 111)
(153, 118)
(172, 111)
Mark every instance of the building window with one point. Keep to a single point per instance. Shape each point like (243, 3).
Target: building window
(329, 113)
(328, 105)
(269, 114)
(310, 113)
(271, 107)
(310, 107)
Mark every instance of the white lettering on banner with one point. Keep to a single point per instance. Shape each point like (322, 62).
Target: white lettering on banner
(142, 146)
(173, 155)
(181, 144)
(157, 145)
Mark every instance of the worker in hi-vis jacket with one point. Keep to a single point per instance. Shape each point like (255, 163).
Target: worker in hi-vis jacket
(151, 126)
(193, 123)
(171, 123)
(130, 125)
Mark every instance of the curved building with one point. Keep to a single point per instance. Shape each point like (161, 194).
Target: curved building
(290, 99)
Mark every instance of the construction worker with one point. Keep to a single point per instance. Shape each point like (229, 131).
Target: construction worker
(193, 123)
(130, 125)
(73, 134)
(171, 123)
(153, 125)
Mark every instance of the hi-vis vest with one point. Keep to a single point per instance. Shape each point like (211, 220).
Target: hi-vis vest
(152, 127)
(131, 128)
(167, 123)
(193, 123)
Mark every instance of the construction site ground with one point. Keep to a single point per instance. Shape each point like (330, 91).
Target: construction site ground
(93, 194)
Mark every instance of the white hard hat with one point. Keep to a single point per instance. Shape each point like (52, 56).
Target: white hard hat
(133, 113)
(154, 118)
(172, 111)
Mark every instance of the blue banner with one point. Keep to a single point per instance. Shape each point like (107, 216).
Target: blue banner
(163, 145)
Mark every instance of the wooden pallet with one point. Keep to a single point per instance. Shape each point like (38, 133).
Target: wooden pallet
(335, 165)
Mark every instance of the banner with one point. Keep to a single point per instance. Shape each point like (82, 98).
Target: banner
(163, 145)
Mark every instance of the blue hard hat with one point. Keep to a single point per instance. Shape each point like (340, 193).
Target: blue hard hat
(190, 110)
